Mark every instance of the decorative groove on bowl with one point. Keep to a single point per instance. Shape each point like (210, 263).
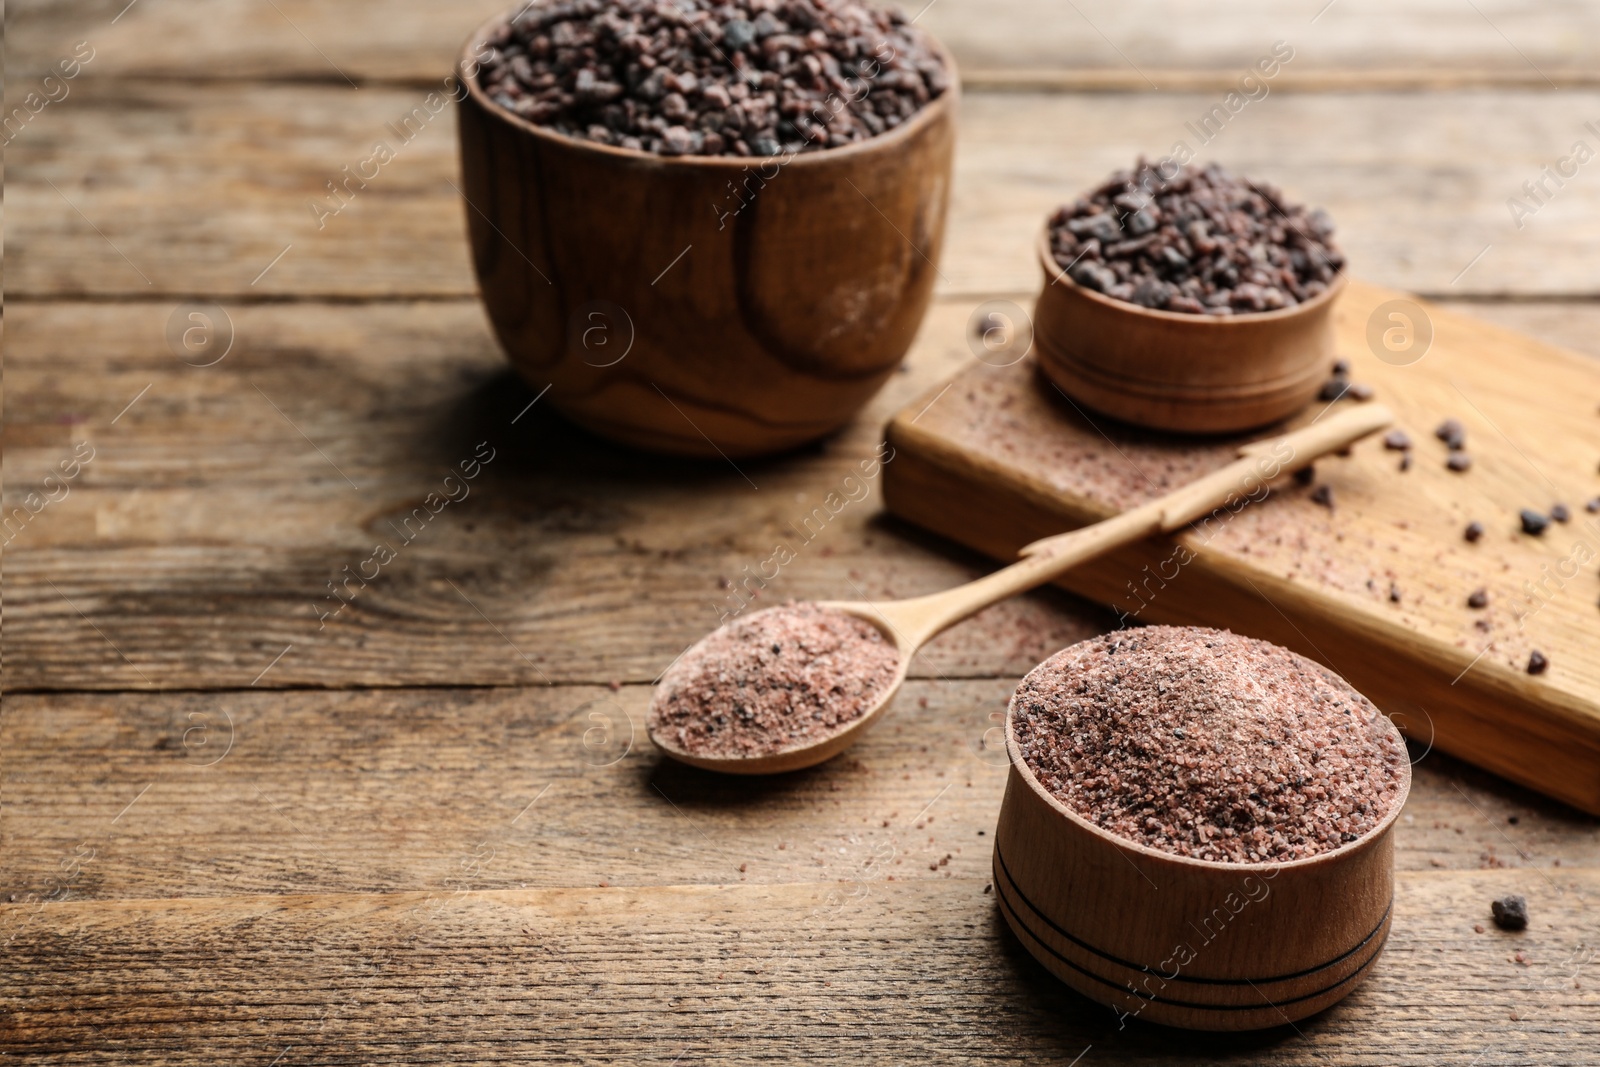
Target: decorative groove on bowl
(1123, 976)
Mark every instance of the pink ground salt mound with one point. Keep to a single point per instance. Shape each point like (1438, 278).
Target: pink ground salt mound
(1206, 744)
(771, 681)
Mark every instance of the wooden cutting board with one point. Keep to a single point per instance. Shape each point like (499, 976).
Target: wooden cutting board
(1376, 586)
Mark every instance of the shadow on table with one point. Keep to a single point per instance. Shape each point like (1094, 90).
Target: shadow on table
(532, 439)
(1057, 1023)
(1097, 618)
(1042, 1018)
(691, 788)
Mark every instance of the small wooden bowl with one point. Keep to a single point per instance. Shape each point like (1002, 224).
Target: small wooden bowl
(1185, 942)
(1183, 373)
(758, 306)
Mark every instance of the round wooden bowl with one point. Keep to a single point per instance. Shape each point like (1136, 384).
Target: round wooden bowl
(697, 305)
(1183, 373)
(1185, 942)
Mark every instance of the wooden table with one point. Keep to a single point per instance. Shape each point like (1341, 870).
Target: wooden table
(256, 810)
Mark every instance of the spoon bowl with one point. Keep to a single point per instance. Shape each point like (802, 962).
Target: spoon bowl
(909, 624)
(810, 753)
(903, 623)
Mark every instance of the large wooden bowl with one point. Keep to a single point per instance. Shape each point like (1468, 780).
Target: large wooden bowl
(1184, 373)
(1185, 942)
(759, 305)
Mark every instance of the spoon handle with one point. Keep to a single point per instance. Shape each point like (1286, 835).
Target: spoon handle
(1244, 480)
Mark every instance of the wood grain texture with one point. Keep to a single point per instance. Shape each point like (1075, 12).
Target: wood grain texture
(366, 791)
(1377, 580)
(1496, 41)
(853, 971)
(1563, 323)
(201, 538)
(1417, 183)
(1147, 44)
(1379, 164)
(312, 791)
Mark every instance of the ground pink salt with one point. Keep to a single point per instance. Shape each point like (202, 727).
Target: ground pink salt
(771, 681)
(1207, 744)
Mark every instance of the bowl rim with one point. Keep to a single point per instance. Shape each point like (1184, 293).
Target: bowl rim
(1345, 851)
(935, 110)
(1055, 274)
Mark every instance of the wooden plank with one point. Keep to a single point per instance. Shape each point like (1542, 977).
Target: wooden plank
(223, 181)
(1364, 37)
(1569, 325)
(199, 541)
(218, 187)
(856, 971)
(121, 796)
(200, 538)
(1375, 586)
(1388, 169)
(358, 791)
(1496, 40)
(1305, 79)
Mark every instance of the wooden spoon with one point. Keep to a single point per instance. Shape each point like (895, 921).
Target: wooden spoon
(911, 623)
